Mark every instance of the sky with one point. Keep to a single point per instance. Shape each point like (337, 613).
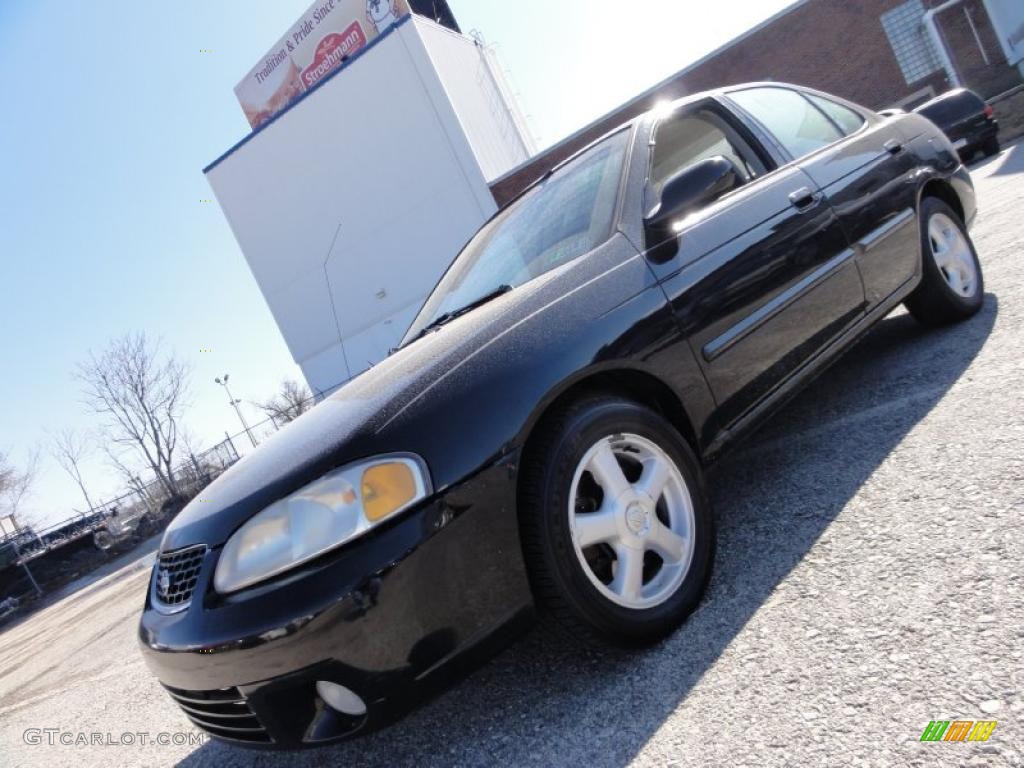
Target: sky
(111, 109)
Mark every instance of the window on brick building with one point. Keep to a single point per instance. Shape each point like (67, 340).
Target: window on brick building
(904, 26)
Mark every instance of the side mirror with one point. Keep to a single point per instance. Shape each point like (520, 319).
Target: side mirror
(689, 189)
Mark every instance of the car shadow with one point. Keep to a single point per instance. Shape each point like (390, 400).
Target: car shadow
(1007, 163)
(546, 700)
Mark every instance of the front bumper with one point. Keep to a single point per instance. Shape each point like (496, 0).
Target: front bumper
(393, 617)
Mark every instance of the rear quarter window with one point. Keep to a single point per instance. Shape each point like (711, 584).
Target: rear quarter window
(847, 120)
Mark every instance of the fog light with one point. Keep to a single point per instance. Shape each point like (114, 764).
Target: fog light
(340, 698)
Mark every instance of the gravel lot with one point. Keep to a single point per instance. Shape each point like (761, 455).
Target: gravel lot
(869, 580)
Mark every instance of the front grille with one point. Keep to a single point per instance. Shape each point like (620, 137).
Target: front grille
(177, 573)
(223, 712)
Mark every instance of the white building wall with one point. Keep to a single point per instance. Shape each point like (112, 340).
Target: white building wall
(477, 89)
(349, 206)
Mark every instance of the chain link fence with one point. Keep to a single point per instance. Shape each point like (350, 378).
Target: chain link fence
(34, 561)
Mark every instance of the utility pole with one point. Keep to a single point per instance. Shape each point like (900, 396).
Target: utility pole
(234, 402)
(32, 578)
(24, 564)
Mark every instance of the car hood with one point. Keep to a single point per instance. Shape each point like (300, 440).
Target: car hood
(348, 425)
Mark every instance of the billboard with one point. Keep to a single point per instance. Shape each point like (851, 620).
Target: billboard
(1008, 19)
(327, 34)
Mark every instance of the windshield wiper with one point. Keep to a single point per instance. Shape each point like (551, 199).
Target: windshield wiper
(446, 317)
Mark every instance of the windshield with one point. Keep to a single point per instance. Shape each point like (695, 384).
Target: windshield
(562, 217)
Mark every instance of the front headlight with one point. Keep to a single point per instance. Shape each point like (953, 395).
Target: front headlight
(338, 507)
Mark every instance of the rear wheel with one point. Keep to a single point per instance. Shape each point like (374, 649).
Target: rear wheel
(617, 531)
(991, 146)
(952, 287)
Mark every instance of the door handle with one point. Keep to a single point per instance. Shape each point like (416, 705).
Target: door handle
(893, 147)
(803, 199)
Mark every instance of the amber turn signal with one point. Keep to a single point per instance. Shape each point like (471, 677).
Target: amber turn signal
(387, 488)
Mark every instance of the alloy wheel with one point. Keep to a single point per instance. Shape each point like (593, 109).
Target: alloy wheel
(632, 521)
(952, 254)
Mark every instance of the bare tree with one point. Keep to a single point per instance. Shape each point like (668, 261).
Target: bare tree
(140, 393)
(16, 484)
(69, 448)
(130, 477)
(197, 476)
(293, 400)
(7, 472)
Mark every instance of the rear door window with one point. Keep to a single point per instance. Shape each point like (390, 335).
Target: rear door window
(798, 125)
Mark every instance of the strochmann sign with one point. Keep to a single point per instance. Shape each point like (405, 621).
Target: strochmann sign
(320, 41)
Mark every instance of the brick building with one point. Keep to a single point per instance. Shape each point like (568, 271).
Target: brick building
(879, 53)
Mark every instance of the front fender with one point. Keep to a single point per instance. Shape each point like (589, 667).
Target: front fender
(618, 320)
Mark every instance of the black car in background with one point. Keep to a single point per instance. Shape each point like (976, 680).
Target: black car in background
(539, 441)
(966, 119)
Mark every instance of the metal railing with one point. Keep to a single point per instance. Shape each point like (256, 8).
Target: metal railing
(143, 509)
(122, 514)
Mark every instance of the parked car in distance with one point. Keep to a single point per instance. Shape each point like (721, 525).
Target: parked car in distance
(966, 119)
(538, 443)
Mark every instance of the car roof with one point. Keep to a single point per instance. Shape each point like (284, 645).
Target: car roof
(631, 122)
(554, 157)
(668, 105)
(948, 96)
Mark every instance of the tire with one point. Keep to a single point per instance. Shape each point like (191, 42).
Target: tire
(102, 539)
(573, 582)
(955, 291)
(991, 146)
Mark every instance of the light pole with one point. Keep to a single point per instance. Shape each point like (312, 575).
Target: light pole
(224, 383)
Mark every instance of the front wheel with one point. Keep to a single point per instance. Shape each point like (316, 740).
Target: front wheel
(617, 532)
(952, 287)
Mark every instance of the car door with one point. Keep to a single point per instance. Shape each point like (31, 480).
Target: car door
(762, 278)
(867, 178)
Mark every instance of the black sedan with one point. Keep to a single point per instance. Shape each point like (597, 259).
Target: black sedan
(966, 120)
(538, 442)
